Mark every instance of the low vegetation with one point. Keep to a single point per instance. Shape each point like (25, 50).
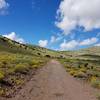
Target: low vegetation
(15, 69)
(18, 62)
(87, 70)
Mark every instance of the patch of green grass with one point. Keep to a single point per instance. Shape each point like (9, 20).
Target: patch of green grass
(2, 75)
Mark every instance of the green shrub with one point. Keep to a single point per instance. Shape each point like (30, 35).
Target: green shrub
(36, 63)
(80, 74)
(18, 81)
(2, 92)
(1, 64)
(95, 82)
(1, 75)
(83, 70)
(72, 72)
(10, 71)
(21, 68)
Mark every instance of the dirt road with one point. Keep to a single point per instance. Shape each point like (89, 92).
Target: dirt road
(53, 83)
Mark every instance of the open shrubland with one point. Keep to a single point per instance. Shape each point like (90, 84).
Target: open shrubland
(15, 47)
(18, 62)
(88, 70)
(15, 69)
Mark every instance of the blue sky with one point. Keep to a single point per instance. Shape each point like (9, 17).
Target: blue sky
(51, 23)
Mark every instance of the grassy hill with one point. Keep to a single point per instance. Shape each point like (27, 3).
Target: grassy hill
(84, 64)
(18, 62)
(92, 50)
(87, 53)
(15, 47)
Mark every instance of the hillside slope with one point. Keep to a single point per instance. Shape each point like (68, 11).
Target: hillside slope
(15, 47)
(18, 63)
(87, 53)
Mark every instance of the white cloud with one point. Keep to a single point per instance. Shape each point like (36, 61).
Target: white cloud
(97, 44)
(14, 37)
(3, 7)
(55, 39)
(73, 44)
(68, 45)
(89, 41)
(78, 12)
(43, 43)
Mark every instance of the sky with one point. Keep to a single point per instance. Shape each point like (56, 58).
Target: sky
(54, 24)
